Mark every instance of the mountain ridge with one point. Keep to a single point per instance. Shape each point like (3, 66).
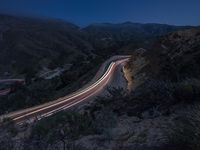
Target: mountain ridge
(42, 43)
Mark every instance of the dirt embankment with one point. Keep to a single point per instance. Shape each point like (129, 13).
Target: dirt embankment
(133, 69)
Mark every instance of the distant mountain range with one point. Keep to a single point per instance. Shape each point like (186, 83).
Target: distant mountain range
(32, 44)
(107, 34)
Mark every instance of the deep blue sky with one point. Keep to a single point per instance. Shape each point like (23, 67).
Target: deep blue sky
(83, 12)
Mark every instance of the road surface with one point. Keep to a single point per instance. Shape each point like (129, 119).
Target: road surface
(50, 108)
(5, 92)
(8, 90)
(11, 80)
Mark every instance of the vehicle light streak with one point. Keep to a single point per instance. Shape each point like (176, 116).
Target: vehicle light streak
(66, 102)
(80, 93)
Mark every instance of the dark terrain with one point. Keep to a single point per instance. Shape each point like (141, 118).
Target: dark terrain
(34, 43)
(30, 48)
(160, 111)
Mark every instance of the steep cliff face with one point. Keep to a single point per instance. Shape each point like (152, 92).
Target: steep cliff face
(176, 56)
(133, 68)
(173, 57)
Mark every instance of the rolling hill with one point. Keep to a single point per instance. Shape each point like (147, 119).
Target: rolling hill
(33, 44)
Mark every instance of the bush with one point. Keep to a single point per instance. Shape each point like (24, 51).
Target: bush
(69, 124)
(184, 134)
(7, 133)
(152, 94)
(163, 94)
(112, 102)
(61, 129)
(187, 91)
(104, 121)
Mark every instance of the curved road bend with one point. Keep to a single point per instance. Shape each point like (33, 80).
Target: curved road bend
(11, 80)
(67, 101)
(8, 90)
(5, 92)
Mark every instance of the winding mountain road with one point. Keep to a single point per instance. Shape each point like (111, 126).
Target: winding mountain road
(47, 109)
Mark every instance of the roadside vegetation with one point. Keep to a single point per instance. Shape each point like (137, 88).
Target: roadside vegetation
(59, 131)
(42, 90)
(99, 118)
(184, 134)
(152, 96)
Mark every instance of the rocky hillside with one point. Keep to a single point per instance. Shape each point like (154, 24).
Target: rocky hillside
(177, 55)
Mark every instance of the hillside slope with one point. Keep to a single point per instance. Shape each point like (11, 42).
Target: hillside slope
(177, 55)
(33, 44)
(173, 57)
(106, 35)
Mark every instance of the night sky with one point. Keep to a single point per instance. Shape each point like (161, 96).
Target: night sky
(84, 12)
